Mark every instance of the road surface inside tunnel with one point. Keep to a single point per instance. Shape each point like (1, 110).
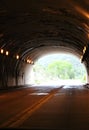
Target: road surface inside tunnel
(61, 107)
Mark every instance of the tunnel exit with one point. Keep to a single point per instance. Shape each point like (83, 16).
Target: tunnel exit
(59, 69)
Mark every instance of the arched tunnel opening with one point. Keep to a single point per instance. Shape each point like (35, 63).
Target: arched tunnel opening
(59, 69)
(18, 71)
(26, 74)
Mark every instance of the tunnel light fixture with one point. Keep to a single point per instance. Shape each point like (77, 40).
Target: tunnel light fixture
(2, 51)
(7, 53)
(85, 53)
(17, 57)
(84, 49)
(81, 58)
(32, 62)
(29, 61)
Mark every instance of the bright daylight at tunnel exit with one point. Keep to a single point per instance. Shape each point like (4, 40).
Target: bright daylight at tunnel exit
(58, 69)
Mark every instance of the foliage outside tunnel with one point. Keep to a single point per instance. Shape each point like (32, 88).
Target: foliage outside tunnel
(67, 67)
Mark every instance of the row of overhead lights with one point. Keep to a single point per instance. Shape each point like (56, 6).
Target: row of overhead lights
(2, 51)
(6, 52)
(29, 61)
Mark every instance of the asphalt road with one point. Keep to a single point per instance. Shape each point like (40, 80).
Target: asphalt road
(45, 108)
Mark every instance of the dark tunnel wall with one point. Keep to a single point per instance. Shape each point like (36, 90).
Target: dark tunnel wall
(11, 72)
(14, 72)
(31, 27)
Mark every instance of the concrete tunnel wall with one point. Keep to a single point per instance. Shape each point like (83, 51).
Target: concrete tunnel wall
(24, 77)
(14, 72)
(9, 78)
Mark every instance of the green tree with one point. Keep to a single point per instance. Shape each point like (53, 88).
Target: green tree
(61, 69)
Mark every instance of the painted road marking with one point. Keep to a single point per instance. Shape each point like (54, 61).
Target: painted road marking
(21, 117)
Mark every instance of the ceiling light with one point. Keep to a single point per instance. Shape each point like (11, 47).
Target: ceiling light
(2, 51)
(17, 57)
(7, 53)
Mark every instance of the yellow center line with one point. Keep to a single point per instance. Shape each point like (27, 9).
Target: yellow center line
(21, 117)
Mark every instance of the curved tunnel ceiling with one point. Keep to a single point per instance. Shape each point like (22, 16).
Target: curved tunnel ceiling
(32, 28)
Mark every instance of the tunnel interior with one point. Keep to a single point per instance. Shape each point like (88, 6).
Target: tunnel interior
(31, 29)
